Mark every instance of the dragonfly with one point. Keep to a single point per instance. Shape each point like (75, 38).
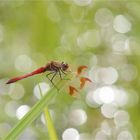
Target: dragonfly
(54, 68)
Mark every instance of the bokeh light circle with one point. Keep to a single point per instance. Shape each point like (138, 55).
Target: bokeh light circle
(70, 134)
(44, 89)
(77, 117)
(16, 91)
(103, 17)
(23, 63)
(121, 24)
(108, 110)
(106, 94)
(21, 111)
(125, 135)
(121, 118)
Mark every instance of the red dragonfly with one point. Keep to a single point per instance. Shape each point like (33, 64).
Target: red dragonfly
(54, 68)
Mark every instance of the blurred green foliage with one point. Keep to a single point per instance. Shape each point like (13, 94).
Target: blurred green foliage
(47, 30)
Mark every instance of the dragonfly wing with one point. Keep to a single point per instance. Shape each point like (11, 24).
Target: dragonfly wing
(83, 81)
(72, 90)
(80, 69)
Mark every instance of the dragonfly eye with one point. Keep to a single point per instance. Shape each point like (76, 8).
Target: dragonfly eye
(65, 66)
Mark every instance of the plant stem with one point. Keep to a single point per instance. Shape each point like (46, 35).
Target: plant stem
(48, 120)
(34, 112)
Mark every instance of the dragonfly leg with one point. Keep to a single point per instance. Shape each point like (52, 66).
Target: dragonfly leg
(49, 74)
(63, 71)
(51, 80)
(61, 75)
(53, 76)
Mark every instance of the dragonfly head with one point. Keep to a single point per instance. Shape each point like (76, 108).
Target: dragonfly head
(65, 66)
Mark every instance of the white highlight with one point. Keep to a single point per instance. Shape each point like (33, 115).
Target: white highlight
(106, 94)
(85, 136)
(21, 111)
(44, 89)
(106, 75)
(108, 110)
(121, 97)
(103, 17)
(100, 135)
(16, 91)
(121, 24)
(96, 96)
(23, 63)
(121, 118)
(77, 117)
(92, 101)
(120, 43)
(70, 134)
(125, 135)
(105, 127)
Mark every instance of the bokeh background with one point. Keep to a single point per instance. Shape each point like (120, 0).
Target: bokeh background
(104, 35)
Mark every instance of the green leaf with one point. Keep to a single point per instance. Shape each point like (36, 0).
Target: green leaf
(35, 111)
(48, 121)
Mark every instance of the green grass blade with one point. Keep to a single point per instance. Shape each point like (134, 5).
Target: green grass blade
(34, 112)
(48, 121)
(51, 128)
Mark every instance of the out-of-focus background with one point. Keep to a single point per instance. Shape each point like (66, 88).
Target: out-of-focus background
(104, 35)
